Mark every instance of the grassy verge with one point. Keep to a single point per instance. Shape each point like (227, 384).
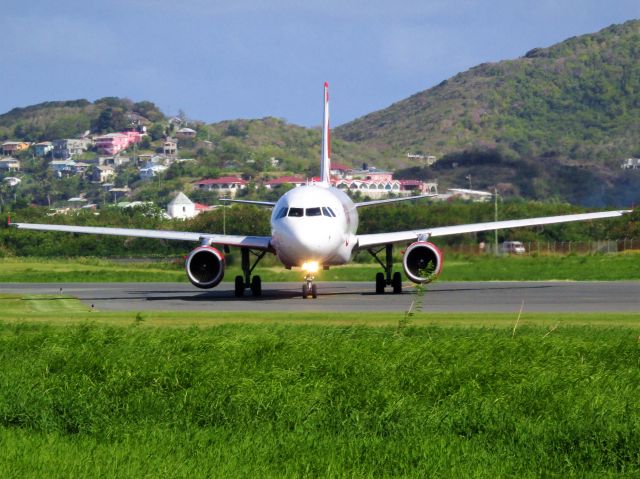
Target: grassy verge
(274, 397)
(609, 267)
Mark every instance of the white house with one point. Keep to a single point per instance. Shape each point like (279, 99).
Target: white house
(181, 207)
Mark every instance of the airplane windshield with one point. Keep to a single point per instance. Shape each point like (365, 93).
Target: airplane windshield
(297, 212)
(313, 212)
(282, 213)
(328, 212)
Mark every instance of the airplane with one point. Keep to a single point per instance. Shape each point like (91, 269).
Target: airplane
(315, 226)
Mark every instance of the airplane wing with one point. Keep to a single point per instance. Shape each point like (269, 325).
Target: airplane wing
(254, 242)
(270, 204)
(377, 239)
(391, 200)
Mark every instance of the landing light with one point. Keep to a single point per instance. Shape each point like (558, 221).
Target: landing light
(310, 267)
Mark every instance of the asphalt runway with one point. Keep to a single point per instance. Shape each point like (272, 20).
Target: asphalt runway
(561, 296)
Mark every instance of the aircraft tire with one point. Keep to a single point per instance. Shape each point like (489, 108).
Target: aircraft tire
(239, 289)
(305, 291)
(256, 286)
(380, 283)
(396, 283)
(314, 291)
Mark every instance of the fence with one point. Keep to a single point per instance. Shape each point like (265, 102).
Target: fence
(553, 247)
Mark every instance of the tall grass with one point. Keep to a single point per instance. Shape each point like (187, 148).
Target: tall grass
(291, 401)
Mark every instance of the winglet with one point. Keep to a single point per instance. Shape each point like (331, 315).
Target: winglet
(325, 161)
(9, 219)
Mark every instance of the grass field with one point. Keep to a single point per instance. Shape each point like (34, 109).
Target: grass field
(290, 395)
(600, 267)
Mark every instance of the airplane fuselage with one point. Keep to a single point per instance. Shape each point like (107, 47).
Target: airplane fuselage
(314, 223)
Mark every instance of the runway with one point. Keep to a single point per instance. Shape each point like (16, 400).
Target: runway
(561, 296)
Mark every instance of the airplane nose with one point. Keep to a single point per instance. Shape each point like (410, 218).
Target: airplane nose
(311, 241)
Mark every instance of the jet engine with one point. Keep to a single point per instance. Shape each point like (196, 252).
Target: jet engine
(205, 267)
(422, 262)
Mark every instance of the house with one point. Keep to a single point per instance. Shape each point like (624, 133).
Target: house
(170, 148)
(63, 166)
(43, 148)
(631, 164)
(419, 187)
(151, 170)
(118, 193)
(181, 207)
(102, 174)
(66, 148)
(112, 143)
(285, 180)
(339, 171)
(226, 185)
(115, 161)
(13, 147)
(186, 133)
(81, 167)
(9, 164)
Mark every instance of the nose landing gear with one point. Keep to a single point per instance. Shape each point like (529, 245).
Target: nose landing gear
(309, 288)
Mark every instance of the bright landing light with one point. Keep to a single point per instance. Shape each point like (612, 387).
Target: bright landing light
(310, 267)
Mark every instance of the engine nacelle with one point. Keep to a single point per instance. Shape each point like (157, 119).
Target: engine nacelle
(422, 262)
(205, 267)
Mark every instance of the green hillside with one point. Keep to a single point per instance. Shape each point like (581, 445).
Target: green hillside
(579, 99)
(555, 123)
(69, 119)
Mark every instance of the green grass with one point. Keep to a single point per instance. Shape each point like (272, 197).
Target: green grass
(284, 395)
(600, 267)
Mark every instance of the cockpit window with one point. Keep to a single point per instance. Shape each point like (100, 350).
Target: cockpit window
(313, 212)
(282, 213)
(328, 212)
(297, 212)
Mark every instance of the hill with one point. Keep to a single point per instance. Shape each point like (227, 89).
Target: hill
(68, 119)
(579, 98)
(572, 110)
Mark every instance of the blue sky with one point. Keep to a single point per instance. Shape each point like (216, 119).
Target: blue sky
(219, 60)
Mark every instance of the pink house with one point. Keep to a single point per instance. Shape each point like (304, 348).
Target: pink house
(112, 144)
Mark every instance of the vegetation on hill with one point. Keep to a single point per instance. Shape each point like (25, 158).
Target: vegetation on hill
(70, 119)
(571, 110)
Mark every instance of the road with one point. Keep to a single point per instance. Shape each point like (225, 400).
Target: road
(562, 296)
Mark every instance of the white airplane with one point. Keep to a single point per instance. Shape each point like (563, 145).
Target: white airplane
(315, 226)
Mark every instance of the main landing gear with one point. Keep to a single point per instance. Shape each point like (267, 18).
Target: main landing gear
(309, 288)
(246, 281)
(387, 278)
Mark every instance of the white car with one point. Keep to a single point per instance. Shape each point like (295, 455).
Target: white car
(513, 247)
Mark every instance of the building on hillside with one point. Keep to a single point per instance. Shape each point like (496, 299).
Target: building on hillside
(60, 167)
(43, 148)
(428, 160)
(226, 185)
(151, 170)
(285, 180)
(181, 207)
(339, 171)
(631, 164)
(112, 143)
(117, 193)
(68, 147)
(170, 148)
(13, 147)
(103, 174)
(9, 164)
(186, 133)
(419, 187)
(114, 161)
(81, 167)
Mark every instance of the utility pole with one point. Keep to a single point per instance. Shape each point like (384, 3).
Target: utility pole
(495, 214)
